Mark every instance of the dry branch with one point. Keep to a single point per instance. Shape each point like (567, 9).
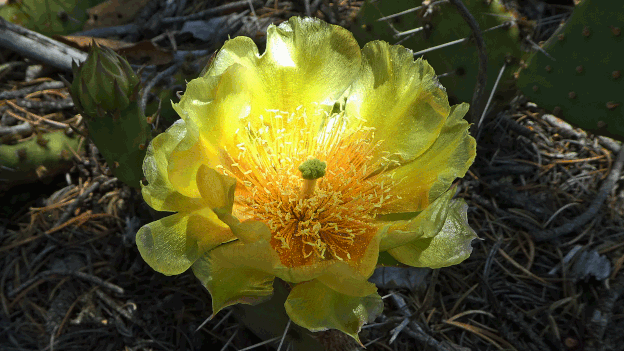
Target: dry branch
(38, 47)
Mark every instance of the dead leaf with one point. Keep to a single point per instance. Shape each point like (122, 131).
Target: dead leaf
(146, 52)
(143, 52)
(84, 43)
(113, 13)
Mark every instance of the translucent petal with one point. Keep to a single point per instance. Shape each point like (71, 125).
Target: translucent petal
(450, 246)
(230, 283)
(160, 194)
(316, 307)
(427, 224)
(258, 255)
(424, 179)
(400, 98)
(184, 161)
(217, 107)
(216, 189)
(346, 280)
(307, 62)
(255, 251)
(172, 244)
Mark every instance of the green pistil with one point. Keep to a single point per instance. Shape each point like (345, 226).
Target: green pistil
(312, 169)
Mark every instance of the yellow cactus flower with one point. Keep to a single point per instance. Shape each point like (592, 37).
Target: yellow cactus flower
(304, 163)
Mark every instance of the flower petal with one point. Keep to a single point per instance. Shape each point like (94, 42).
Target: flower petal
(160, 194)
(346, 280)
(450, 246)
(426, 224)
(172, 244)
(399, 97)
(257, 255)
(185, 160)
(307, 62)
(216, 105)
(421, 181)
(254, 250)
(216, 189)
(316, 307)
(229, 283)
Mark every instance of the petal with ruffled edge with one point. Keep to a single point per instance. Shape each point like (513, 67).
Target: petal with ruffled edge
(451, 245)
(307, 62)
(426, 224)
(217, 108)
(317, 307)
(424, 179)
(159, 193)
(400, 98)
(230, 283)
(172, 244)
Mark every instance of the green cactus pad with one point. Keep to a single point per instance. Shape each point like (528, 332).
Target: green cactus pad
(444, 24)
(584, 84)
(37, 158)
(49, 17)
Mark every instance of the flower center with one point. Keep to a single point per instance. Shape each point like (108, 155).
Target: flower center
(316, 210)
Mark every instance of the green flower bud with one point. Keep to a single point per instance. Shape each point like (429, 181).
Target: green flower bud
(105, 82)
(105, 90)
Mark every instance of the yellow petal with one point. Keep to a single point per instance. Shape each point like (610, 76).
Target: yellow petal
(255, 251)
(451, 245)
(307, 62)
(216, 107)
(229, 283)
(216, 189)
(160, 194)
(172, 244)
(257, 255)
(426, 224)
(346, 280)
(185, 160)
(400, 98)
(421, 181)
(316, 307)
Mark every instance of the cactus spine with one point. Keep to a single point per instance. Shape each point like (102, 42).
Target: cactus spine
(440, 23)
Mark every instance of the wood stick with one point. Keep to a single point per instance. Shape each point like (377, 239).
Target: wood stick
(38, 47)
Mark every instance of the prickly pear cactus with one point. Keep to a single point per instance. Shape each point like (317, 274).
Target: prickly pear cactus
(36, 158)
(441, 23)
(584, 83)
(106, 91)
(48, 16)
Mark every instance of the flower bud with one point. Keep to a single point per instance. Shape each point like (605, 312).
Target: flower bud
(105, 82)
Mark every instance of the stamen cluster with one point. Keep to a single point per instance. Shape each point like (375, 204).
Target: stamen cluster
(334, 221)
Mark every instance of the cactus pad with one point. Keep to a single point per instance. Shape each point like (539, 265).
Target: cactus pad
(584, 84)
(48, 16)
(37, 158)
